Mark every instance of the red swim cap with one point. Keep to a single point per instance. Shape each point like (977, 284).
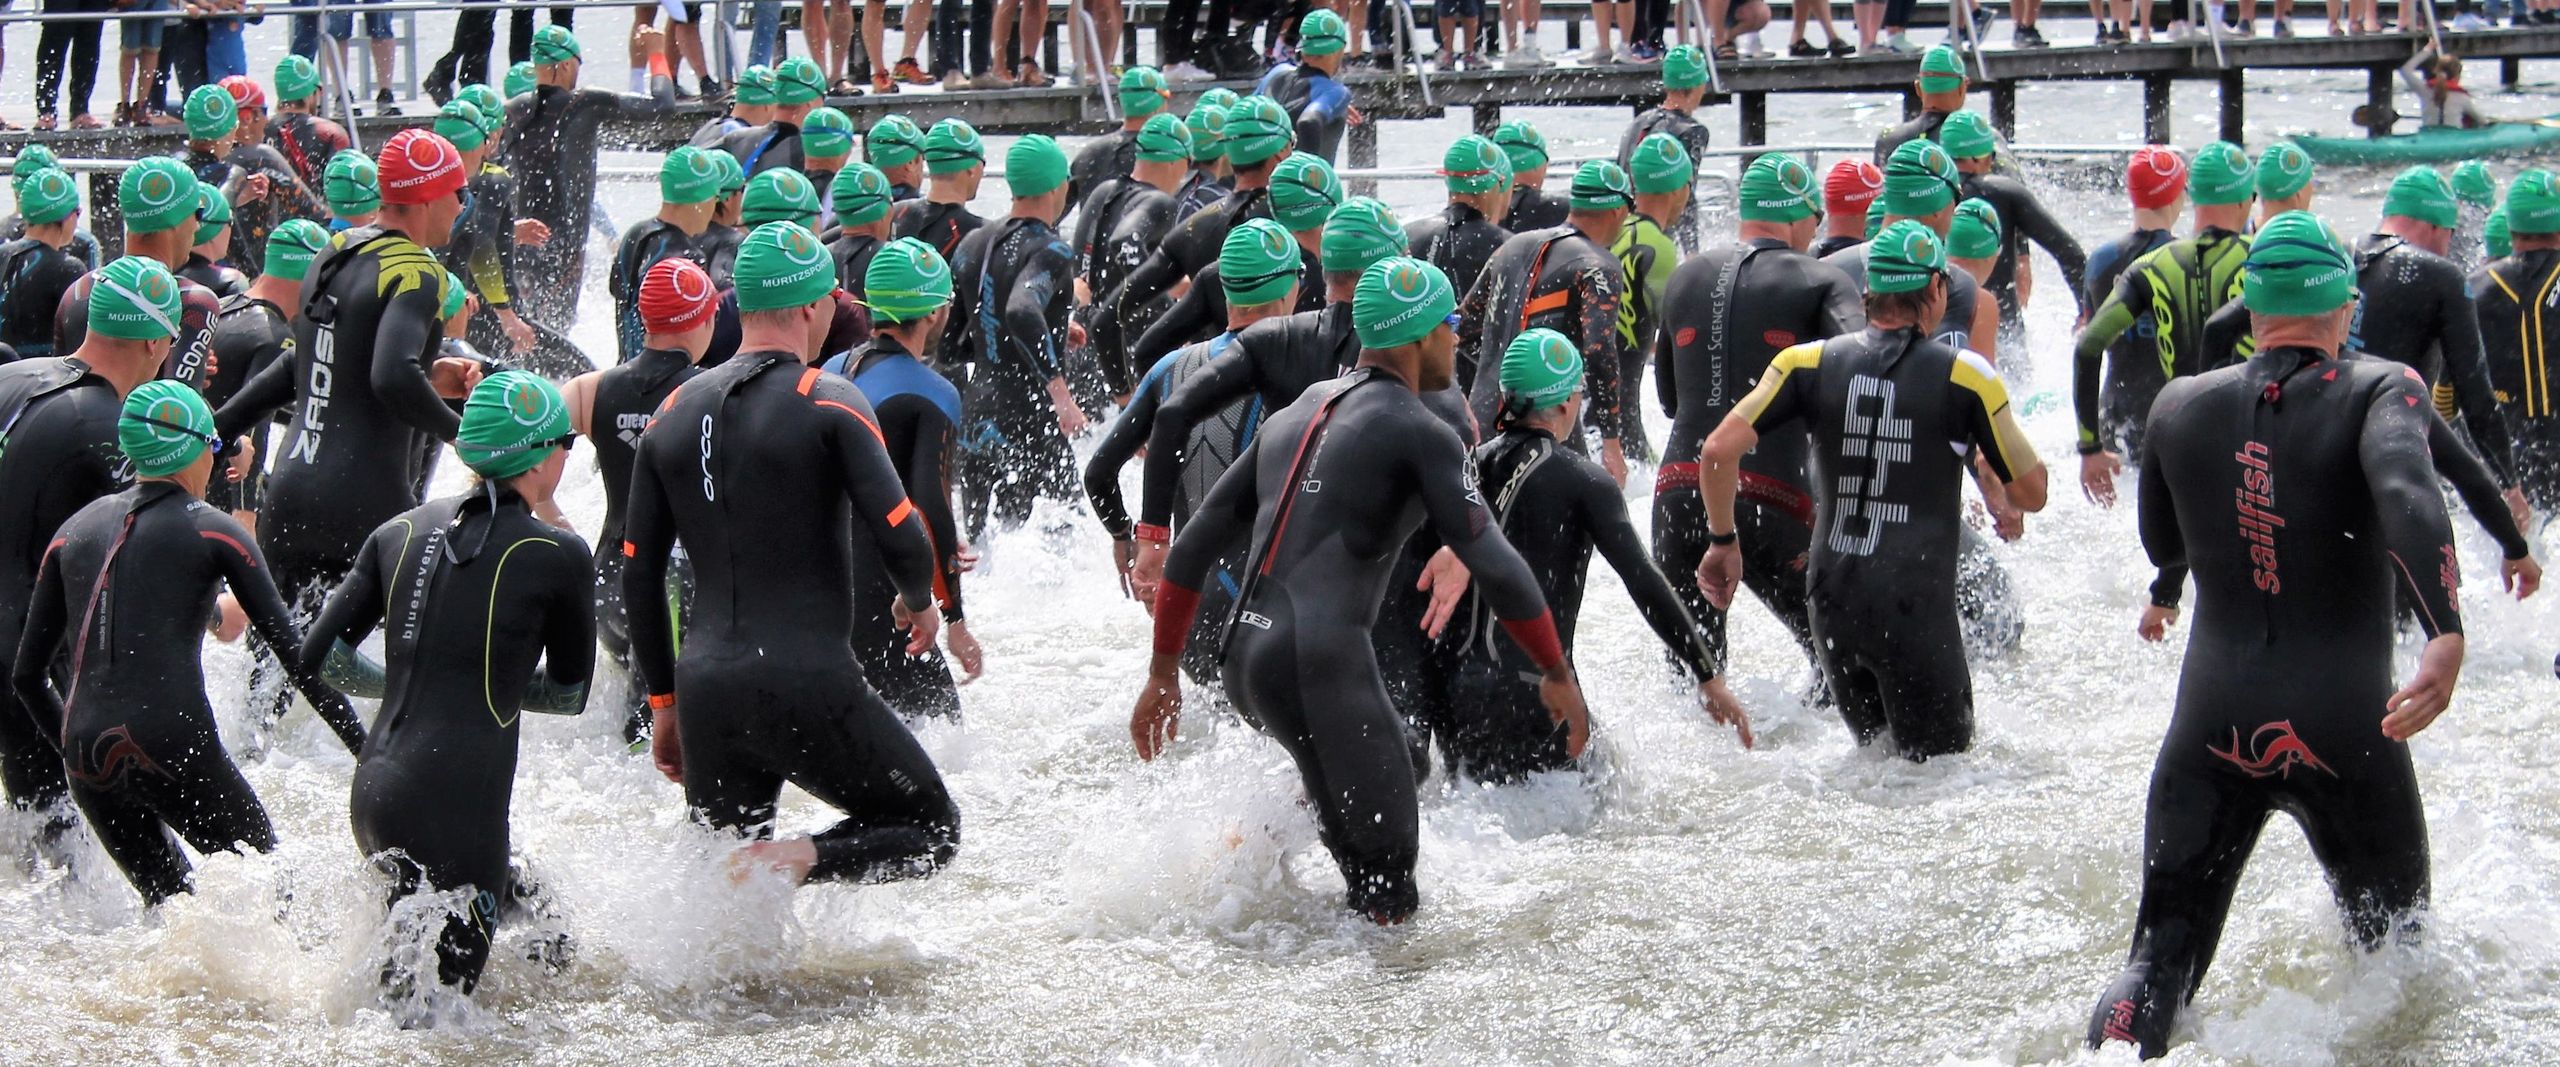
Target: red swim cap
(244, 92)
(2155, 177)
(676, 296)
(418, 167)
(1851, 186)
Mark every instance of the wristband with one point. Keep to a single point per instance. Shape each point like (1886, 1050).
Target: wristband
(1176, 606)
(1537, 637)
(1715, 538)
(662, 701)
(1152, 533)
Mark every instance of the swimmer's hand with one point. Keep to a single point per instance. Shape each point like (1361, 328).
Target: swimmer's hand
(1077, 337)
(1614, 457)
(1148, 573)
(2098, 472)
(1445, 578)
(1720, 574)
(965, 558)
(1562, 695)
(253, 188)
(1159, 711)
(532, 232)
(2156, 621)
(2417, 704)
(228, 621)
(454, 377)
(519, 332)
(1124, 555)
(1725, 709)
(244, 458)
(1071, 420)
(2522, 576)
(665, 748)
(921, 626)
(964, 647)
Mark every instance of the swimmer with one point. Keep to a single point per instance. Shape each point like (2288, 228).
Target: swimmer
(306, 140)
(1684, 87)
(1463, 236)
(1850, 188)
(1565, 280)
(1304, 191)
(797, 89)
(36, 269)
(1920, 185)
(483, 248)
(208, 258)
(1661, 179)
(751, 99)
(1530, 207)
(2155, 179)
(1941, 87)
(550, 143)
(1970, 142)
(861, 200)
(1257, 139)
(896, 146)
(689, 189)
(1123, 218)
(1143, 94)
(251, 331)
(1021, 414)
(1210, 179)
(956, 159)
(1318, 106)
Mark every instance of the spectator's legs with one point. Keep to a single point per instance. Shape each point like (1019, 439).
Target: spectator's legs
(1034, 15)
(474, 30)
(984, 46)
(813, 29)
(1174, 39)
(1109, 21)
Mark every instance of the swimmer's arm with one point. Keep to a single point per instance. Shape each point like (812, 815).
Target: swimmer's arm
(1844, 308)
(2156, 518)
(267, 391)
(2039, 226)
(928, 477)
(236, 555)
(1471, 319)
(1128, 433)
(659, 100)
(31, 674)
(1603, 291)
(2468, 370)
(648, 532)
(353, 609)
(1026, 312)
(2473, 482)
(2088, 361)
(568, 637)
(1210, 389)
(1992, 422)
(489, 275)
(1445, 476)
(409, 325)
(2408, 507)
(1186, 321)
(1327, 98)
(1666, 373)
(580, 395)
(880, 497)
(1605, 515)
(2225, 331)
(1223, 519)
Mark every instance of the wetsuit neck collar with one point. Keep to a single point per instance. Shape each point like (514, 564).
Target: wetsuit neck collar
(1766, 244)
(1461, 214)
(1366, 371)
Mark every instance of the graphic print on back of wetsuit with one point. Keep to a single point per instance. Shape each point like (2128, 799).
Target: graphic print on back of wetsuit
(2274, 750)
(1883, 441)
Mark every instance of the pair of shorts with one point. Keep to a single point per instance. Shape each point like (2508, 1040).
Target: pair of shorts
(226, 49)
(342, 24)
(1459, 9)
(142, 35)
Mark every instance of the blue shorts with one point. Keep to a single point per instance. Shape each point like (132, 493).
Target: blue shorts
(143, 35)
(342, 24)
(1458, 9)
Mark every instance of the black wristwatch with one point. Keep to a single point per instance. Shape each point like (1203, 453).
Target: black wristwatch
(1715, 538)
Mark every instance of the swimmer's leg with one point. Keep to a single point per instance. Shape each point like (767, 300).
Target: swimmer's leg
(209, 803)
(854, 755)
(1679, 542)
(2369, 832)
(2199, 829)
(1854, 686)
(1503, 732)
(135, 838)
(1775, 549)
(30, 767)
(462, 945)
(1927, 688)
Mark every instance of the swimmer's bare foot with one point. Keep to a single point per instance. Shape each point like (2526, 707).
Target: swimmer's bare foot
(792, 859)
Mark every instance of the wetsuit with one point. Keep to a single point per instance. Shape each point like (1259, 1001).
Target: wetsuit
(643, 245)
(1692, 135)
(1298, 662)
(248, 335)
(2417, 308)
(1112, 155)
(1532, 210)
(33, 277)
(1955, 328)
(1924, 124)
(1458, 240)
(1201, 313)
(253, 220)
(1122, 220)
(2299, 491)
(1895, 419)
(59, 422)
(1184, 253)
(852, 253)
(758, 454)
(306, 142)
(551, 141)
(626, 397)
(919, 413)
(1824, 246)
(1554, 507)
(762, 148)
(1015, 451)
(2134, 373)
(943, 226)
(1202, 453)
(1559, 279)
(1319, 105)
(189, 355)
(2023, 218)
(482, 251)
(1732, 309)
(485, 614)
(716, 248)
(2178, 286)
(1646, 257)
(1199, 190)
(2513, 298)
(714, 131)
(125, 590)
(222, 281)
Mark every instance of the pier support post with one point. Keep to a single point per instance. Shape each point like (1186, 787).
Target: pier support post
(1755, 119)
(2510, 71)
(1487, 119)
(2004, 109)
(1364, 153)
(2234, 86)
(2377, 95)
(2155, 108)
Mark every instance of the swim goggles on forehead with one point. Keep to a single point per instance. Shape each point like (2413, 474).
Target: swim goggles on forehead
(148, 307)
(213, 443)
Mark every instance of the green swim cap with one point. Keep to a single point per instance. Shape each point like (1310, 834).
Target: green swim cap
(733, 174)
(1360, 232)
(1777, 188)
(1601, 186)
(1903, 258)
(860, 195)
(47, 196)
(165, 426)
(689, 176)
(797, 81)
(1400, 301)
(2283, 171)
(1875, 217)
(2495, 237)
(1303, 191)
(952, 146)
(1968, 135)
(1473, 165)
(906, 282)
(782, 265)
(156, 195)
(826, 133)
(2473, 185)
(1034, 165)
(1143, 92)
(1941, 70)
(1541, 369)
(1257, 263)
(1322, 33)
(212, 213)
(1918, 180)
(554, 44)
(296, 78)
(459, 123)
(1217, 96)
(350, 184)
(1684, 67)
(493, 107)
(32, 158)
(2533, 203)
(2296, 267)
(1975, 232)
(1257, 129)
(292, 246)
(1660, 165)
(1208, 126)
(512, 422)
(780, 194)
(453, 296)
(2220, 174)
(894, 141)
(1523, 143)
(1164, 139)
(2420, 193)
(210, 112)
(519, 79)
(755, 86)
(134, 299)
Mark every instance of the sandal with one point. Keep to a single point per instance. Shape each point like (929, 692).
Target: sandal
(1728, 53)
(1031, 77)
(48, 122)
(843, 87)
(124, 115)
(86, 122)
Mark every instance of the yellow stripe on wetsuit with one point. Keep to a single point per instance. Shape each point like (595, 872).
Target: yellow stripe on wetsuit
(1807, 356)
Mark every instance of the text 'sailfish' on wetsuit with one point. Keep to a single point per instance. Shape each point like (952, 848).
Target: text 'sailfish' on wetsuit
(762, 466)
(1122, 221)
(125, 590)
(1558, 279)
(1895, 420)
(57, 453)
(1333, 488)
(1202, 313)
(2023, 218)
(1319, 105)
(485, 613)
(1955, 328)
(2299, 491)
(627, 396)
(551, 142)
(1680, 126)
(2178, 285)
(33, 277)
(2514, 302)
(919, 413)
(1730, 310)
(1554, 507)
(189, 356)
(2416, 308)
(1459, 240)
(248, 336)
(2134, 373)
(1201, 455)
(1024, 288)
(643, 245)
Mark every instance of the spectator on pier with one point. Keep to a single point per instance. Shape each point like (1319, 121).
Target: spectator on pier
(138, 66)
(68, 46)
(377, 31)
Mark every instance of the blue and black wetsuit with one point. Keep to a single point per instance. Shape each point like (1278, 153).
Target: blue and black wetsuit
(33, 277)
(1319, 105)
(763, 148)
(1023, 288)
(59, 421)
(627, 397)
(919, 413)
(1206, 449)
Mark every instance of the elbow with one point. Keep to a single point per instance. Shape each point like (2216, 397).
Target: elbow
(2028, 492)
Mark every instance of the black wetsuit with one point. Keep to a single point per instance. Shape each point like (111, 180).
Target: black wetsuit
(125, 591)
(716, 248)
(2418, 309)
(943, 226)
(222, 281)
(2023, 218)
(2133, 375)
(59, 422)
(1896, 419)
(2299, 491)
(919, 413)
(627, 396)
(253, 220)
(1554, 507)
(485, 614)
(714, 131)
(550, 141)
(1023, 290)
(33, 277)
(1924, 124)
(1459, 240)
(482, 252)
(1730, 310)
(1955, 328)
(1122, 221)
(1692, 135)
(2513, 298)
(1824, 246)
(1191, 247)
(762, 148)
(1201, 313)
(852, 253)
(1202, 453)
(1298, 662)
(1559, 279)
(306, 142)
(1532, 210)
(189, 356)
(248, 335)
(1199, 190)
(1112, 155)
(643, 245)
(758, 454)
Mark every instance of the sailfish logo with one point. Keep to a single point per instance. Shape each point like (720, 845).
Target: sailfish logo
(2274, 751)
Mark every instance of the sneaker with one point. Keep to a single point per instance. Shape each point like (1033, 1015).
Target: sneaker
(1802, 49)
(1983, 17)
(1646, 52)
(1188, 71)
(1841, 49)
(2283, 29)
(382, 104)
(2467, 22)
(883, 85)
(1901, 45)
(1751, 47)
(1598, 56)
(954, 81)
(909, 73)
(1525, 57)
